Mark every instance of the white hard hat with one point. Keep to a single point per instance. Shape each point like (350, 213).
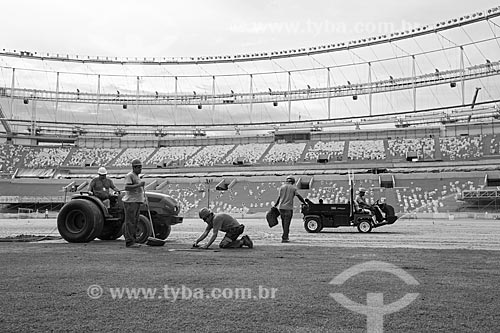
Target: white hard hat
(102, 171)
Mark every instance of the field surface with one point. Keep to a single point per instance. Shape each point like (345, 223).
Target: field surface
(452, 269)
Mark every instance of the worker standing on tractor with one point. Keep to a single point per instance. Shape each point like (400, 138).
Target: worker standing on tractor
(225, 223)
(132, 201)
(100, 186)
(286, 193)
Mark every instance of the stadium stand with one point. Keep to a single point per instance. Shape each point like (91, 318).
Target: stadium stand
(130, 154)
(285, 153)
(491, 144)
(333, 151)
(176, 154)
(250, 153)
(37, 157)
(209, 155)
(10, 157)
(92, 156)
(366, 150)
(461, 148)
(424, 148)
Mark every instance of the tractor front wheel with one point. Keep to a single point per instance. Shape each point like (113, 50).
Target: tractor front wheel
(162, 231)
(143, 230)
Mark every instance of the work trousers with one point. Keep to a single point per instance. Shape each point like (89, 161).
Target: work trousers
(286, 220)
(132, 210)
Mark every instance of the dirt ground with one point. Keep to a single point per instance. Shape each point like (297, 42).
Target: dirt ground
(407, 233)
(102, 286)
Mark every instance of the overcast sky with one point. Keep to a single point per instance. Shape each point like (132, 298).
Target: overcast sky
(154, 28)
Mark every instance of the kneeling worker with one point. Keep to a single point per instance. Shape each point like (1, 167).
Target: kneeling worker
(225, 223)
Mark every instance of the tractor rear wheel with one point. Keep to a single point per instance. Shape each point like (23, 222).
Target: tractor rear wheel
(80, 221)
(111, 231)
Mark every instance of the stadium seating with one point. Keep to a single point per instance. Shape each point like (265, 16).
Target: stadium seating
(37, 157)
(333, 150)
(248, 196)
(461, 148)
(424, 148)
(10, 157)
(251, 153)
(366, 150)
(92, 156)
(130, 154)
(180, 153)
(284, 153)
(209, 155)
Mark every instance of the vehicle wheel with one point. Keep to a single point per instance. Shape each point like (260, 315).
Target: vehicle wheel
(364, 226)
(143, 229)
(79, 221)
(162, 231)
(111, 231)
(313, 224)
(98, 225)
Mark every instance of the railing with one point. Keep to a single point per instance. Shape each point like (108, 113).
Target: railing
(419, 81)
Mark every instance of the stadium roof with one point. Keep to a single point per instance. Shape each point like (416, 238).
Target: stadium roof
(329, 67)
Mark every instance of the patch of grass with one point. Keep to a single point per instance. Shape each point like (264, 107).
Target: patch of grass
(28, 238)
(44, 287)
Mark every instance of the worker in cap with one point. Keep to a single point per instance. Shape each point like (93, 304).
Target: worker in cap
(132, 201)
(100, 187)
(362, 206)
(286, 193)
(225, 223)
